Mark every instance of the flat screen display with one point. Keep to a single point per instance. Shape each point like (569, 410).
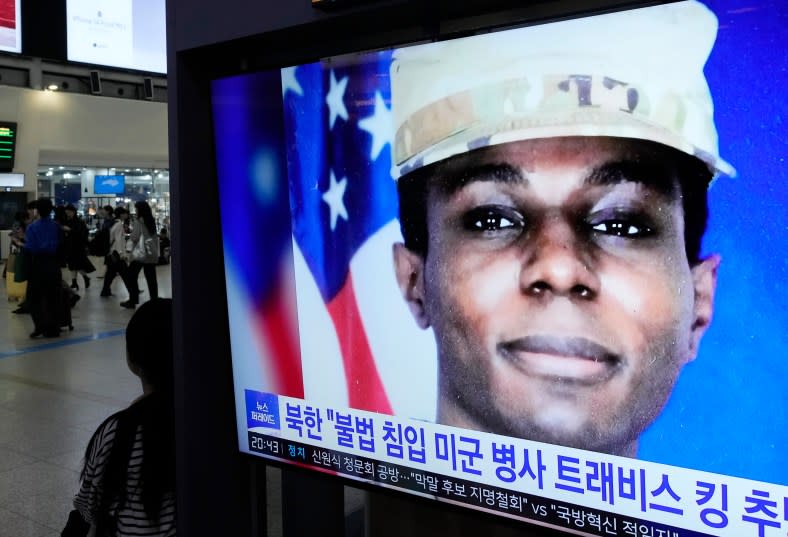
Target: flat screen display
(535, 272)
(129, 34)
(8, 135)
(109, 184)
(10, 26)
(12, 180)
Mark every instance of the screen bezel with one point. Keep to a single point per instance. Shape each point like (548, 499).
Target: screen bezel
(501, 28)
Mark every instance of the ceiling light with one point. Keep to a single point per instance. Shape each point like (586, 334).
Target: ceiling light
(52, 87)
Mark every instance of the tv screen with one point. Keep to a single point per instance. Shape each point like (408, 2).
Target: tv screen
(8, 134)
(10, 26)
(531, 272)
(109, 184)
(12, 180)
(129, 34)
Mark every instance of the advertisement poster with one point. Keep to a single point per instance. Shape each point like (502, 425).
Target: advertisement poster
(129, 34)
(10, 26)
(484, 267)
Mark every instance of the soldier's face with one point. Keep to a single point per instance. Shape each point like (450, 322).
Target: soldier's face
(559, 291)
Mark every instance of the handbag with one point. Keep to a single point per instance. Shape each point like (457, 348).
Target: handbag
(152, 247)
(10, 262)
(138, 252)
(75, 526)
(21, 266)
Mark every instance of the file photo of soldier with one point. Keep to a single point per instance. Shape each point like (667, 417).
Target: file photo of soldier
(553, 199)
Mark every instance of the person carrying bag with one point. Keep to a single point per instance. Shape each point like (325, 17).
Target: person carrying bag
(116, 264)
(143, 250)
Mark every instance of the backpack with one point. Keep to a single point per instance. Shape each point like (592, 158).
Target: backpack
(99, 246)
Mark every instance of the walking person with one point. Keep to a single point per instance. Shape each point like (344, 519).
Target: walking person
(115, 260)
(43, 238)
(15, 259)
(22, 261)
(144, 255)
(76, 234)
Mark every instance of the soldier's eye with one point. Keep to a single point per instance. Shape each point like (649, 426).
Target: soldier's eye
(623, 227)
(492, 219)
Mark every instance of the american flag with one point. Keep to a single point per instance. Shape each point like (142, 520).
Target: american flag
(341, 193)
(354, 342)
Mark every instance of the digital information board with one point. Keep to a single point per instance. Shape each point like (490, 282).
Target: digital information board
(8, 135)
(129, 34)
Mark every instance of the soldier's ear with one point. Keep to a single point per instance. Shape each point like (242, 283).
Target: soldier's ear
(409, 268)
(704, 280)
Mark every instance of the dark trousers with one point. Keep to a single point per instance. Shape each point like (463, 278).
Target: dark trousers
(131, 276)
(44, 294)
(115, 267)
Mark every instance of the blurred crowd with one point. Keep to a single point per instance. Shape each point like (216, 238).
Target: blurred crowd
(51, 250)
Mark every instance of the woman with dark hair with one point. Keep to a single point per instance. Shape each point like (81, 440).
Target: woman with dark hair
(144, 253)
(128, 479)
(76, 247)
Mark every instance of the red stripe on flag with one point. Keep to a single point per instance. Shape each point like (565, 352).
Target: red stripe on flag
(365, 389)
(280, 336)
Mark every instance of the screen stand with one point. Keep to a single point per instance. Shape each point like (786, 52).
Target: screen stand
(312, 504)
(394, 515)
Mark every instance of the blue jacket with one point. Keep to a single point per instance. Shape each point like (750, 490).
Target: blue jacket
(42, 237)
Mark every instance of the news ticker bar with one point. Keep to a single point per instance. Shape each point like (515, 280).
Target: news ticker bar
(545, 511)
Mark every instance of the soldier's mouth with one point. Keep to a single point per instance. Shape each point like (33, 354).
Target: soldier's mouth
(569, 359)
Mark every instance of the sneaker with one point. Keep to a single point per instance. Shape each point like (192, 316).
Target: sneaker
(128, 304)
(87, 281)
(74, 284)
(105, 294)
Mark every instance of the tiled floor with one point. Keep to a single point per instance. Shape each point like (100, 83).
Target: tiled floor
(53, 394)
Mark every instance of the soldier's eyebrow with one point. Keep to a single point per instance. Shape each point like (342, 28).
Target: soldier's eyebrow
(448, 181)
(650, 173)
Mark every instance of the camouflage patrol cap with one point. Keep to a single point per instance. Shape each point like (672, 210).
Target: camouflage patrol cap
(632, 74)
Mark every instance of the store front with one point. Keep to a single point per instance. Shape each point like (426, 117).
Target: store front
(89, 188)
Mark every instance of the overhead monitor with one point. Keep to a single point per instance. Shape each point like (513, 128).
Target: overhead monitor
(8, 135)
(10, 26)
(536, 272)
(109, 184)
(128, 34)
(12, 180)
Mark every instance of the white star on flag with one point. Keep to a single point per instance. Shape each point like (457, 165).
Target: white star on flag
(290, 82)
(335, 100)
(378, 125)
(334, 198)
